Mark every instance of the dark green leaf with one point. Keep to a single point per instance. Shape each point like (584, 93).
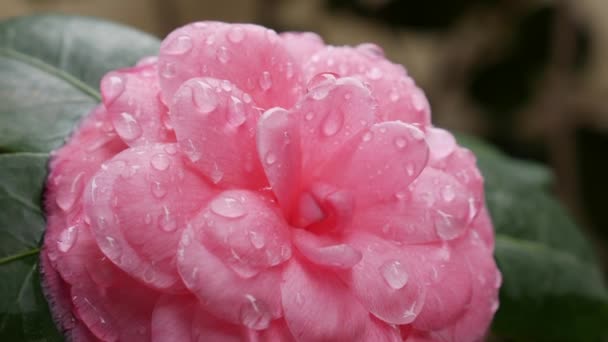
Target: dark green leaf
(50, 68)
(553, 288)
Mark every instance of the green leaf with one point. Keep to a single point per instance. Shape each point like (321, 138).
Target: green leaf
(50, 68)
(553, 288)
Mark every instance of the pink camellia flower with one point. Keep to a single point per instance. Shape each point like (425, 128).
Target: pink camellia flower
(249, 186)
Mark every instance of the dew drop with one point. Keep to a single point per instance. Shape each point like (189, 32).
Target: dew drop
(333, 123)
(254, 314)
(367, 136)
(127, 127)
(115, 87)
(110, 247)
(148, 218)
(447, 193)
(289, 70)
(236, 112)
(205, 99)
(149, 274)
(168, 70)
(191, 151)
(418, 100)
(394, 96)
(257, 240)
(271, 158)
(320, 85)
(226, 85)
(394, 273)
(309, 116)
(65, 199)
(236, 35)
(67, 239)
(409, 168)
(178, 46)
(166, 221)
(400, 142)
(160, 161)
(216, 174)
(247, 98)
(445, 226)
(374, 73)
(223, 55)
(265, 81)
(170, 149)
(158, 190)
(229, 207)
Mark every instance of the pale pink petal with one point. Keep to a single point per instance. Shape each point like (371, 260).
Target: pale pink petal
(245, 231)
(389, 280)
(302, 46)
(250, 56)
(318, 307)
(324, 252)
(132, 98)
(278, 144)
(140, 236)
(388, 158)
(215, 125)
(332, 113)
(252, 302)
(397, 95)
(441, 144)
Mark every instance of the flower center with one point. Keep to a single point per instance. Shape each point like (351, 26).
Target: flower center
(322, 209)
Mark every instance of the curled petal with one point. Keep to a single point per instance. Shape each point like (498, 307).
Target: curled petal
(244, 231)
(215, 127)
(141, 236)
(278, 144)
(250, 56)
(251, 302)
(325, 253)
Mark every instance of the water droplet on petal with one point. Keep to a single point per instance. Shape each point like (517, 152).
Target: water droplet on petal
(110, 247)
(205, 99)
(254, 314)
(409, 168)
(223, 55)
(418, 100)
(271, 158)
(160, 161)
(67, 239)
(257, 240)
(115, 87)
(149, 274)
(374, 73)
(229, 207)
(127, 127)
(400, 142)
(236, 35)
(226, 85)
(65, 199)
(320, 85)
(367, 136)
(170, 149)
(247, 98)
(447, 193)
(168, 70)
(216, 174)
(289, 70)
(394, 96)
(236, 112)
(178, 46)
(158, 190)
(191, 151)
(333, 123)
(166, 221)
(445, 226)
(394, 273)
(265, 81)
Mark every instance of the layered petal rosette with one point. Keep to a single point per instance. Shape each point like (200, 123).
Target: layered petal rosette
(250, 186)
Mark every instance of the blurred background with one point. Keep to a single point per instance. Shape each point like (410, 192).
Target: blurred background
(530, 76)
